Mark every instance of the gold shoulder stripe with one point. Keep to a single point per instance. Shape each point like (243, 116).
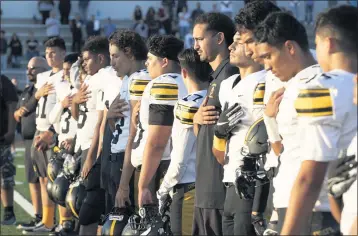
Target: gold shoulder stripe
(164, 91)
(185, 114)
(259, 94)
(137, 87)
(314, 103)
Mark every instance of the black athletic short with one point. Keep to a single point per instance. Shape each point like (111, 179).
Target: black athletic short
(40, 159)
(319, 223)
(30, 173)
(93, 207)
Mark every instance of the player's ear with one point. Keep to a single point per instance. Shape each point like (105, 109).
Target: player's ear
(101, 58)
(165, 62)
(221, 38)
(290, 46)
(184, 73)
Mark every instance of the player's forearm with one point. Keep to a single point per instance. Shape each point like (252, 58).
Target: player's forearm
(75, 110)
(101, 132)
(128, 168)
(151, 159)
(55, 114)
(304, 195)
(277, 147)
(336, 207)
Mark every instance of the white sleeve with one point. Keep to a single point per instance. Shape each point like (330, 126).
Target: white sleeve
(55, 114)
(178, 165)
(319, 126)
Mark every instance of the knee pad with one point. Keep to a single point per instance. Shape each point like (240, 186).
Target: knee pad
(92, 207)
(7, 183)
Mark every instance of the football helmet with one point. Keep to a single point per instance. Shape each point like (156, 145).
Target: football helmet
(116, 220)
(59, 189)
(72, 165)
(75, 196)
(148, 222)
(256, 139)
(53, 168)
(49, 190)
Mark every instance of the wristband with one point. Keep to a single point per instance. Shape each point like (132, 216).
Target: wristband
(272, 129)
(219, 144)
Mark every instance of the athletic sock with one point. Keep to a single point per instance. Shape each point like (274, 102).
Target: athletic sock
(48, 216)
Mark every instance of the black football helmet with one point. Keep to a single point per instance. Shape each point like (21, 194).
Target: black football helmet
(75, 197)
(72, 165)
(257, 139)
(148, 222)
(53, 168)
(116, 220)
(59, 189)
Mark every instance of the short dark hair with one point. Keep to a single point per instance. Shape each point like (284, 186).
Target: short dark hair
(342, 23)
(279, 27)
(71, 58)
(190, 60)
(165, 46)
(125, 38)
(218, 22)
(56, 42)
(97, 45)
(253, 13)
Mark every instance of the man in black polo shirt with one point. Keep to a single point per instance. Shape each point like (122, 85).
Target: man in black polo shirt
(28, 128)
(213, 33)
(8, 101)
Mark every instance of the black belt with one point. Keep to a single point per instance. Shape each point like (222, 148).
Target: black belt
(113, 157)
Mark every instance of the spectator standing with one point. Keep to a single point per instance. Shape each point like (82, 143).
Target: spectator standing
(226, 8)
(93, 27)
(45, 7)
(309, 11)
(189, 40)
(137, 14)
(15, 51)
(168, 6)
(142, 29)
(215, 8)
(3, 50)
(83, 8)
(165, 20)
(181, 5)
(109, 28)
(151, 20)
(65, 9)
(184, 22)
(198, 11)
(52, 26)
(294, 8)
(32, 46)
(76, 30)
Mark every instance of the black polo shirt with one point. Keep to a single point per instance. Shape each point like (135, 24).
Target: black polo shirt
(28, 121)
(210, 191)
(7, 95)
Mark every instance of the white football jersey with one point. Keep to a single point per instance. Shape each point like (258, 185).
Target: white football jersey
(327, 115)
(183, 156)
(46, 103)
(163, 90)
(60, 117)
(88, 111)
(136, 82)
(290, 159)
(349, 212)
(249, 94)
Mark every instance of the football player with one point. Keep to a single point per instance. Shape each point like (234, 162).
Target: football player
(179, 181)
(61, 117)
(151, 148)
(128, 54)
(327, 117)
(213, 33)
(283, 45)
(87, 109)
(242, 96)
(46, 97)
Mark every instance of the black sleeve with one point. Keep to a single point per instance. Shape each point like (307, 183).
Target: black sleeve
(31, 104)
(161, 115)
(9, 91)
